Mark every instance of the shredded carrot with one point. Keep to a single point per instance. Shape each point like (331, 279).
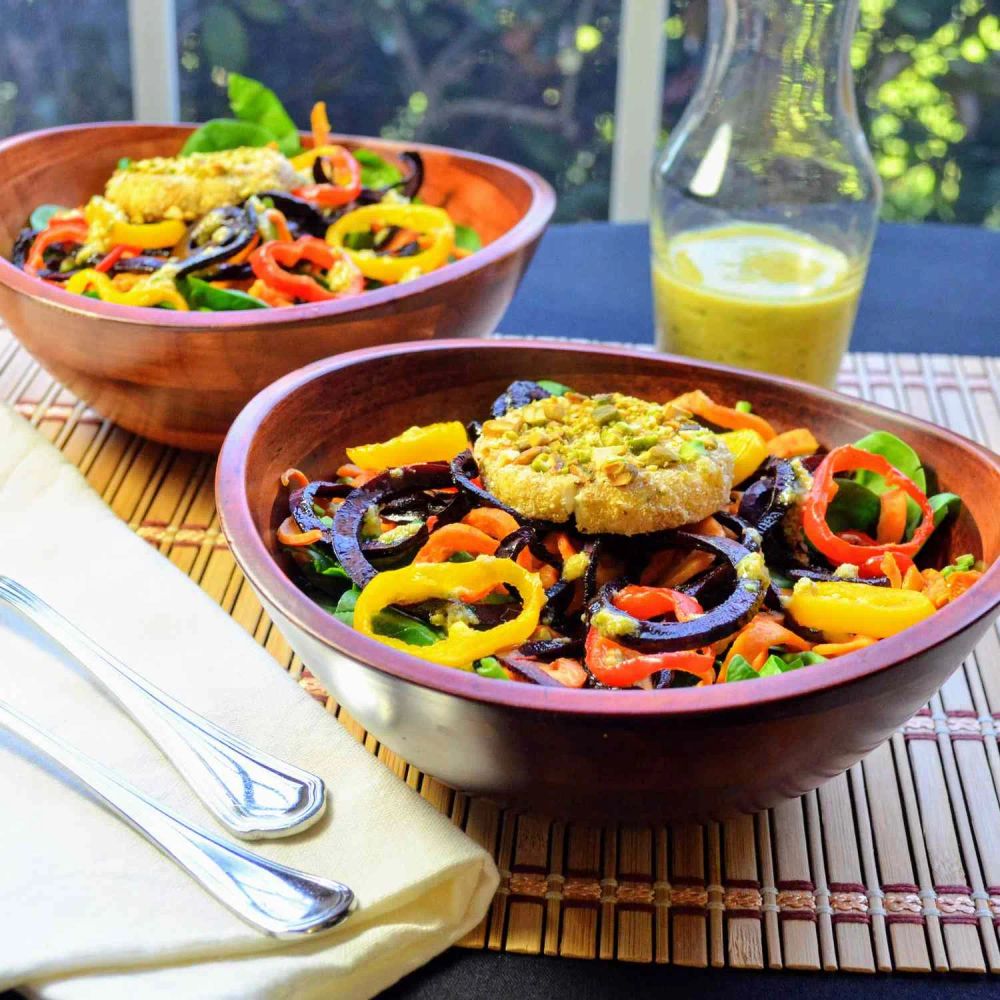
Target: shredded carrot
(913, 580)
(320, 125)
(355, 475)
(566, 671)
(799, 441)
(755, 640)
(702, 405)
(294, 479)
(267, 294)
(959, 583)
(244, 255)
(891, 518)
(460, 253)
(289, 533)
(452, 538)
(890, 568)
(400, 239)
(496, 523)
(280, 223)
(560, 542)
(832, 649)
(125, 282)
(935, 587)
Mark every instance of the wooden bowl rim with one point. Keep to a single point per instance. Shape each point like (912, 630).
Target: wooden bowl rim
(528, 228)
(264, 571)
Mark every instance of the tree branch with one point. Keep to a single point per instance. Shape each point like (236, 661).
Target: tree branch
(515, 114)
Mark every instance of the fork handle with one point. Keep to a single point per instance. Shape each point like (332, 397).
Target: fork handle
(281, 901)
(253, 794)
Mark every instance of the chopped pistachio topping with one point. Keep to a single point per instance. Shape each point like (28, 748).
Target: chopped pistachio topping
(611, 434)
(575, 566)
(753, 567)
(611, 624)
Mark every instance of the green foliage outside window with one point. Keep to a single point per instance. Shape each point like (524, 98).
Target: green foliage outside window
(527, 80)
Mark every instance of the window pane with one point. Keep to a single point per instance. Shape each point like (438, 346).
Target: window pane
(928, 76)
(62, 63)
(532, 82)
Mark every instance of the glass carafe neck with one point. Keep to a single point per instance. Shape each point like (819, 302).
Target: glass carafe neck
(784, 63)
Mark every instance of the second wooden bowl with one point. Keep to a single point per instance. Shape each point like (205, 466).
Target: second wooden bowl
(181, 378)
(683, 754)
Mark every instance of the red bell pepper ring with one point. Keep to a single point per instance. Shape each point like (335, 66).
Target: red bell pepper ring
(272, 260)
(58, 231)
(651, 602)
(114, 255)
(346, 186)
(618, 666)
(838, 549)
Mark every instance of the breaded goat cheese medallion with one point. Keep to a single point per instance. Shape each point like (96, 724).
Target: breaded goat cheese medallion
(617, 464)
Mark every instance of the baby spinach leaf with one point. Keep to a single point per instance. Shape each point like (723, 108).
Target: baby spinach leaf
(773, 667)
(795, 661)
(554, 388)
(42, 215)
(944, 504)
(904, 458)
(466, 238)
(854, 506)
(388, 622)
(201, 295)
(490, 666)
(897, 452)
(345, 606)
(254, 103)
(397, 625)
(740, 669)
(225, 133)
(376, 172)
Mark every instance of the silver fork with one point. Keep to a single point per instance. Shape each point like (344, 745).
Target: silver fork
(253, 794)
(283, 902)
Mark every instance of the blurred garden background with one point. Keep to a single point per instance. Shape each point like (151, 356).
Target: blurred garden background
(529, 80)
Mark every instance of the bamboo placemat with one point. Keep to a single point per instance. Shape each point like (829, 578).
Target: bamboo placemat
(894, 865)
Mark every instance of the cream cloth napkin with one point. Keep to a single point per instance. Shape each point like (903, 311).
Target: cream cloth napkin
(89, 909)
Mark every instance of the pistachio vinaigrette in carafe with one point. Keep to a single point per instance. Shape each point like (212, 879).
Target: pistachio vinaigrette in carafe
(765, 197)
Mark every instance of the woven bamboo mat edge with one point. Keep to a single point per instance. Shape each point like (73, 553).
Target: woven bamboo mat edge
(894, 865)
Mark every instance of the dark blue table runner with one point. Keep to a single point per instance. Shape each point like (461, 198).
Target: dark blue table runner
(930, 288)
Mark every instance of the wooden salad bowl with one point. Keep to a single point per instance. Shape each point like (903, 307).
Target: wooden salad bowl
(672, 755)
(181, 378)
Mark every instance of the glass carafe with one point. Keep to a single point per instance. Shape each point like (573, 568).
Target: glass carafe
(765, 199)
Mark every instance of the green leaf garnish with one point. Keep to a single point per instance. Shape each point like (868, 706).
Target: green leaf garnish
(554, 388)
(376, 172)
(466, 238)
(388, 622)
(202, 295)
(854, 506)
(252, 102)
(42, 215)
(944, 504)
(225, 133)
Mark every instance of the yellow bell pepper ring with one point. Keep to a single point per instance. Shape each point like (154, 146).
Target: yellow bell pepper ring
(141, 294)
(304, 161)
(423, 581)
(431, 222)
(749, 450)
(109, 226)
(841, 608)
(431, 443)
(148, 235)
